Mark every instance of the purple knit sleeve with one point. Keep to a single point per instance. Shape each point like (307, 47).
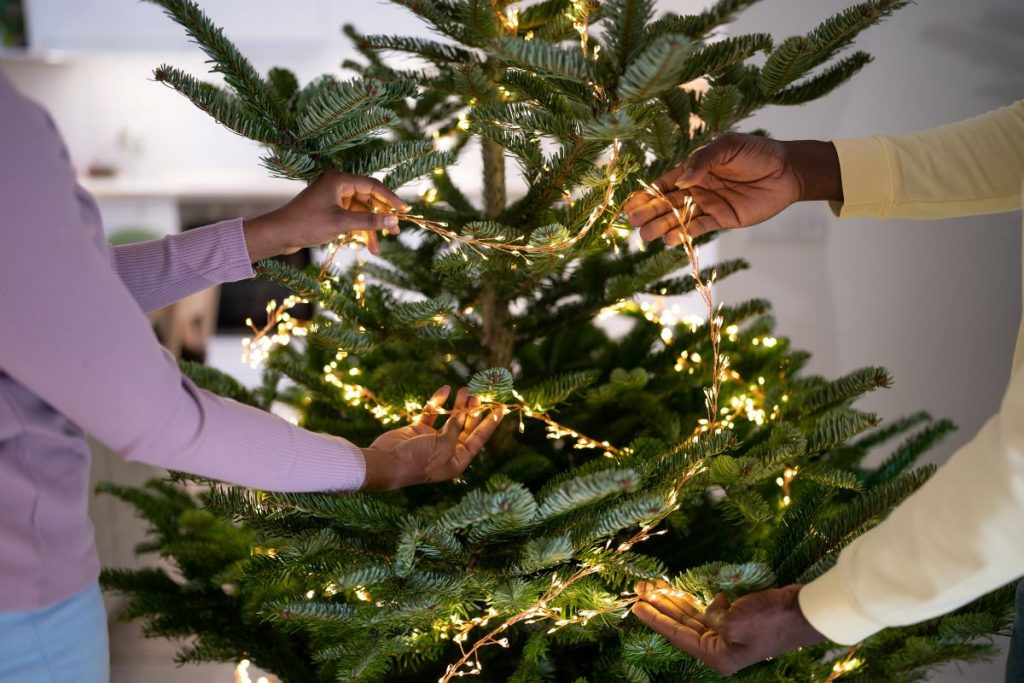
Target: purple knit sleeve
(73, 335)
(160, 272)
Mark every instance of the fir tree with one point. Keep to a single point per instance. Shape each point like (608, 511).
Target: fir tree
(617, 472)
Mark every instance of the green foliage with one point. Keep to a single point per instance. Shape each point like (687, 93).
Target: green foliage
(493, 384)
(369, 586)
(227, 109)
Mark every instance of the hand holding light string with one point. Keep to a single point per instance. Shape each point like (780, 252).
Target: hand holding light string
(420, 453)
(354, 207)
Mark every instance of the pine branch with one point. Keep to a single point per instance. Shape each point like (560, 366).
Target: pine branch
(821, 84)
(227, 109)
(795, 56)
(698, 25)
(655, 70)
(550, 60)
(625, 22)
(909, 452)
(238, 73)
(432, 50)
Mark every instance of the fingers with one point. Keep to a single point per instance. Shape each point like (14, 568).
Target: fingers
(364, 187)
(680, 635)
(715, 204)
(696, 228)
(370, 188)
(461, 399)
(473, 441)
(634, 202)
(473, 415)
(483, 430)
(453, 427)
(371, 242)
(656, 208)
(429, 415)
(659, 226)
(715, 613)
(352, 221)
(674, 604)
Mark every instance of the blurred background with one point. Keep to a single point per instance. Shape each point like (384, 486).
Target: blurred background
(938, 303)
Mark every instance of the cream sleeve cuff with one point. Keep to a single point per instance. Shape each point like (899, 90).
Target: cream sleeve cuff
(829, 609)
(869, 178)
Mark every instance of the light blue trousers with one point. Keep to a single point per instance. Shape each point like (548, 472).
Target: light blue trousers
(63, 643)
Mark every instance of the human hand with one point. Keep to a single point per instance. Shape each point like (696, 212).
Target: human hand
(737, 181)
(727, 637)
(419, 454)
(334, 204)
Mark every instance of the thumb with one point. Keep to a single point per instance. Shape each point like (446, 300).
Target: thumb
(696, 167)
(353, 221)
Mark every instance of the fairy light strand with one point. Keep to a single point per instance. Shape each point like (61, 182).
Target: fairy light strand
(469, 663)
(515, 247)
(845, 665)
(715, 320)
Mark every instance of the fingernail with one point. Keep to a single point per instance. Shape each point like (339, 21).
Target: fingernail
(642, 587)
(390, 221)
(685, 179)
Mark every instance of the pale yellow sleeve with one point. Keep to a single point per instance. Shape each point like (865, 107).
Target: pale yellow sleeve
(966, 168)
(958, 537)
(962, 534)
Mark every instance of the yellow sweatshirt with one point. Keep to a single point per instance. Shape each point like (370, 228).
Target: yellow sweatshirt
(962, 533)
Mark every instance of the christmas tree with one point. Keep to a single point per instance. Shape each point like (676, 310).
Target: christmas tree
(691, 448)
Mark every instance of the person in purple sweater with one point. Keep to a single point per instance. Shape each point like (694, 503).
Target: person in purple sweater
(77, 356)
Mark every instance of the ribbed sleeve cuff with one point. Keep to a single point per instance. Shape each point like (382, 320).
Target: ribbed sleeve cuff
(869, 178)
(220, 249)
(329, 469)
(830, 610)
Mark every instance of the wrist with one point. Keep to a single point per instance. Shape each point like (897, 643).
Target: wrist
(260, 238)
(815, 165)
(379, 474)
(804, 634)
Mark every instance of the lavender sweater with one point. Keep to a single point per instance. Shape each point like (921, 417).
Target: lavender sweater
(77, 355)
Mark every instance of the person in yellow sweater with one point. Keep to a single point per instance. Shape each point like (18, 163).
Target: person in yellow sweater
(962, 533)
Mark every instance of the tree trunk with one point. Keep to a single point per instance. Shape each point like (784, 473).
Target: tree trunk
(498, 340)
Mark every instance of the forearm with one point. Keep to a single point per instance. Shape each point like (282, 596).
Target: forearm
(160, 272)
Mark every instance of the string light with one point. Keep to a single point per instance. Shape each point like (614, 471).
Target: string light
(278, 331)
(242, 674)
(579, 15)
(516, 246)
(844, 666)
(784, 483)
(715, 320)
(469, 663)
